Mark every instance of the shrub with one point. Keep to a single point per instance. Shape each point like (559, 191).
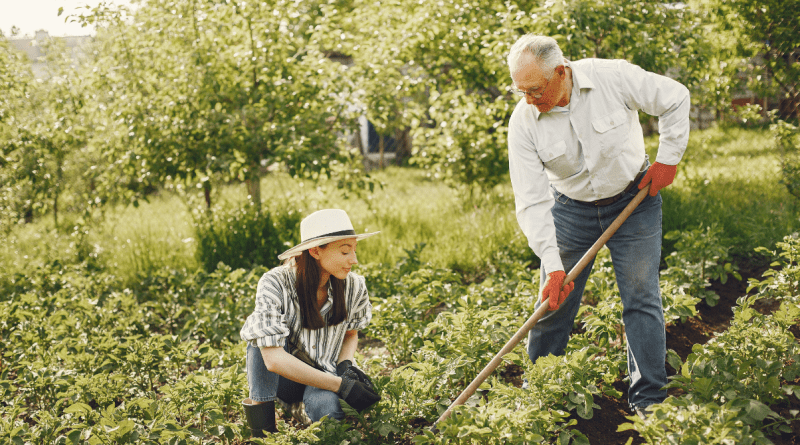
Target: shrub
(242, 237)
(787, 138)
(701, 257)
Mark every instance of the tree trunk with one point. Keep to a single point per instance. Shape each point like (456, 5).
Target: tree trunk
(55, 211)
(207, 194)
(253, 183)
(380, 148)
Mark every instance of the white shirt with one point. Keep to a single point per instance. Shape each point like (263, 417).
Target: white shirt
(276, 317)
(592, 148)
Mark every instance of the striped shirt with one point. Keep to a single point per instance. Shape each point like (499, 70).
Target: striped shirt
(277, 317)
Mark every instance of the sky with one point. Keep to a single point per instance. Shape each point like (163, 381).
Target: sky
(32, 15)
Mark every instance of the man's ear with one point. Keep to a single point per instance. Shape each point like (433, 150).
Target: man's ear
(314, 251)
(561, 71)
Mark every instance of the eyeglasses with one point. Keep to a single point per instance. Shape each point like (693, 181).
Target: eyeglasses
(536, 94)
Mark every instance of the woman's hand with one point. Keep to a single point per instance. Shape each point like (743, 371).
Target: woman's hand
(358, 374)
(355, 393)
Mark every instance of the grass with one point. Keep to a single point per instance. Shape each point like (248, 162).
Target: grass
(410, 210)
(731, 177)
(130, 242)
(728, 176)
(159, 234)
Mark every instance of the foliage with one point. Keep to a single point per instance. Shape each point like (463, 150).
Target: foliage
(242, 237)
(787, 139)
(404, 307)
(205, 90)
(749, 360)
(683, 420)
(732, 384)
(765, 31)
(781, 281)
(161, 362)
(699, 258)
(42, 132)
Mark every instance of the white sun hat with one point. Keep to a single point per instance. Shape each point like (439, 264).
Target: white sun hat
(323, 227)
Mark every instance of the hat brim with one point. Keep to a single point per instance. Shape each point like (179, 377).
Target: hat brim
(298, 249)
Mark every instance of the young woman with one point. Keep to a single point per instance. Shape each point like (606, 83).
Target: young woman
(303, 332)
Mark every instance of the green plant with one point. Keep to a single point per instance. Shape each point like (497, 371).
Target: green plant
(782, 280)
(240, 237)
(699, 258)
(787, 139)
(415, 300)
(688, 421)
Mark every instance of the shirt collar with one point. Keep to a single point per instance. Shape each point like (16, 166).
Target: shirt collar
(579, 79)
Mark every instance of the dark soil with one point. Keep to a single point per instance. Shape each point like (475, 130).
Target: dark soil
(601, 429)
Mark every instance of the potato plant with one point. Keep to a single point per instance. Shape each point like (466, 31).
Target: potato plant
(89, 361)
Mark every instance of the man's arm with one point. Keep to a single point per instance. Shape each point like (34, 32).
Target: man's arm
(664, 98)
(532, 196)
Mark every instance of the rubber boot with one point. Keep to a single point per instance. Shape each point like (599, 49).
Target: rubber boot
(260, 417)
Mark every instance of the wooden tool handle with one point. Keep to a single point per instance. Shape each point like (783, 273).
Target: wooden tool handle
(540, 311)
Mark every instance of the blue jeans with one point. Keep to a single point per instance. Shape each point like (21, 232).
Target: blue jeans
(635, 253)
(266, 386)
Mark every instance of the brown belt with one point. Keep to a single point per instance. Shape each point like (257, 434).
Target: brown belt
(615, 198)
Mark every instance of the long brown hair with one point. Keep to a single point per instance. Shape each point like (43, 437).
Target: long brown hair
(307, 282)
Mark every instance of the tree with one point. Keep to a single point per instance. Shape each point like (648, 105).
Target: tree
(15, 78)
(42, 128)
(216, 89)
(459, 50)
(383, 85)
(768, 41)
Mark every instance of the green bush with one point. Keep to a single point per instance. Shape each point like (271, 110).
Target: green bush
(700, 257)
(242, 237)
(787, 138)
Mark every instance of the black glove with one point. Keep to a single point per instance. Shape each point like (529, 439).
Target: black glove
(356, 394)
(342, 367)
(346, 365)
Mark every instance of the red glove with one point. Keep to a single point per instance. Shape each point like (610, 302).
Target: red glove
(661, 175)
(554, 289)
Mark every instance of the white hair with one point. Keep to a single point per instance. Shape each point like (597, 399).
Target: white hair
(545, 52)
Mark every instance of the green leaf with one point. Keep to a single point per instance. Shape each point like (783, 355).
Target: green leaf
(625, 427)
(77, 408)
(579, 438)
(74, 436)
(758, 410)
(674, 360)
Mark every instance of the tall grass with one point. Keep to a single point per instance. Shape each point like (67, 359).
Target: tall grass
(135, 242)
(730, 176)
(410, 210)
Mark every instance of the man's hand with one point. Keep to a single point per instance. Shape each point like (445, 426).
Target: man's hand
(661, 175)
(553, 289)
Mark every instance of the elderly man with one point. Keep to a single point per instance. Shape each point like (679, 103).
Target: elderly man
(576, 158)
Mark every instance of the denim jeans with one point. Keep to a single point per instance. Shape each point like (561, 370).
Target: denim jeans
(266, 386)
(635, 253)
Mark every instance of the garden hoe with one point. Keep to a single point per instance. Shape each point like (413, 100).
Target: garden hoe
(523, 331)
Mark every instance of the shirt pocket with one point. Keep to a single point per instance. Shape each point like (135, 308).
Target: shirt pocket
(555, 160)
(552, 151)
(612, 133)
